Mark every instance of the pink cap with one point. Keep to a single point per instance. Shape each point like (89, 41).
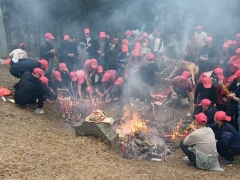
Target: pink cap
(219, 73)
(100, 69)
(137, 45)
(94, 63)
(44, 80)
(205, 102)
(38, 71)
(136, 52)
(86, 31)
(209, 39)
(128, 32)
(150, 56)
(73, 76)
(221, 116)
(145, 34)
(80, 76)
(198, 28)
(102, 34)
(106, 77)
(22, 45)
(237, 74)
(185, 75)
(124, 48)
(57, 75)
(119, 81)
(44, 63)
(63, 66)
(238, 35)
(125, 41)
(238, 50)
(201, 118)
(49, 35)
(65, 37)
(207, 82)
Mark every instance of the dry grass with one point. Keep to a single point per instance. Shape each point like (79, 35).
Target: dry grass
(41, 147)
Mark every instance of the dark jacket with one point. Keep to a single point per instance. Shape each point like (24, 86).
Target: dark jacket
(112, 54)
(122, 59)
(235, 89)
(149, 74)
(226, 135)
(45, 51)
(48, 94)
(96, 47)
(203, 93)
(54, 84)
(66, 48)
(89, 48)
(24, 65)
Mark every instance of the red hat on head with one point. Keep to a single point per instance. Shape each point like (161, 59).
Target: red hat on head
(238, 50)
(44, 63)
(38, 71)
(136, 52)
(137, 45)
(209, 39)
(63, 66)
(100, 69)
(185, 75)
(230, 79)
(57, 75)
(80, 75)
(225, 45)
(207, 82)
(65, 37)
(94, 63)
(102, 34)
(150, 56)
(145, 34)
(49, 35)
(199, 28)
(221, 116)
(128, 32)
(124, 48)
(119, 81)
(22, 45)
(44, 80)
(106, 77)
(86, 31)
(219, 73)
(205, 102)
(201, 118)
(238, 35)
(73, 76)
(125, 41)
(237, 74)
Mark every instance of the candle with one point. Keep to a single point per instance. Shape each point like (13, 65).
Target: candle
(122, 145)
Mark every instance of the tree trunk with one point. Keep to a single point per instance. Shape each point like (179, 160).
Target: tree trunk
(3, 37)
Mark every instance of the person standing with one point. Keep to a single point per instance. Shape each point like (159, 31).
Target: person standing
(222, 60)
(202, 36)
(234, 63)
(191, 50)
(47, 50)
(122, 60)
(17, 54)
(114, 49)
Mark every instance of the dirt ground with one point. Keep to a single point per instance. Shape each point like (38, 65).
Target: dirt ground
(42, 147)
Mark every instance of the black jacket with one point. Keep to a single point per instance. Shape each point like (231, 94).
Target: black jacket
(203, 93)
(48, 94)
(45, 51)
(235, 89)
(96, 47)
(66, 48)
(24, 65)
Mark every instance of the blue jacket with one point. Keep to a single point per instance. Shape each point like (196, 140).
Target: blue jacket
(122, 59)
(26, 65)
(226, 135)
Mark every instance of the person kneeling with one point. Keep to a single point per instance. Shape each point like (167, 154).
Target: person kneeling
(29, 89)
(200, 146)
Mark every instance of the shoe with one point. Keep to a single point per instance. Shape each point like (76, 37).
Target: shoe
(39, 111)
(224, 161)
(191, 163)
(185, 158)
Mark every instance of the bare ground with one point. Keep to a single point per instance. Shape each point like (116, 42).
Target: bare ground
(42, 147)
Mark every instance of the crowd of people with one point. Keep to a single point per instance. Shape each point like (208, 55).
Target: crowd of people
(106, 66)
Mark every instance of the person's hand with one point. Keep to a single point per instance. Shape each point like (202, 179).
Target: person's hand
(59, 99)
(53, 51)
(192, 127)
(99, 52)
(48, 101)
(113, 46)
(174, 93)
(103, 54)
(231, 95)
(70, 55)
(221, 61)
(224, 99)
(108, 101)
(123, 66)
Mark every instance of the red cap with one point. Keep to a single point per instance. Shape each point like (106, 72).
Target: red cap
(238, 50)
(219, 73)
(65, 37)
(38, 71)
(73, 76)
(44, 63)
(86, 31)
(106, 77)
(150, 56)
(225, 45)
(119, 81)
(80, 76)
(201, 118)
(221, 116)
(231, 78)
(237, 74)
(205, 102)
(125, 41)
(209, 39)
(49, 35)
(128, 32)
(44, 80)
(185, 75)
(238, 35)
(102, 34)
(57, 75)
(145, 34)
(94, 63)
(22, 45)
(136, 52)
(137, 45)
(207, 82)
(198, 28)
(124, 48)
(100, 69)
(63, 66)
